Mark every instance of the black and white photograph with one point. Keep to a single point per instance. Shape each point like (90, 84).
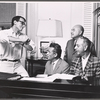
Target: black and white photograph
(49, 50)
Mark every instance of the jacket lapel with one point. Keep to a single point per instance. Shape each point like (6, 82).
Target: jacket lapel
(88, 65)
(57, 66)
(50, 68)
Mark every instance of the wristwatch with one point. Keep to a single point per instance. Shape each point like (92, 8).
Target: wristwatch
(28, 40)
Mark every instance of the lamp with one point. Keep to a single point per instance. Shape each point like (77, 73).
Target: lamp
(49, 28)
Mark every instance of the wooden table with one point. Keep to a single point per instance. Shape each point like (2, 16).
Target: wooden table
(64, 89)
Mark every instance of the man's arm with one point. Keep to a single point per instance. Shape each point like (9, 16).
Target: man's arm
(17, 40)
(29, 45)
(24, 40)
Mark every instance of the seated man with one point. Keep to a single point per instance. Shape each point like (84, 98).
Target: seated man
(86, 64)
(55, 64)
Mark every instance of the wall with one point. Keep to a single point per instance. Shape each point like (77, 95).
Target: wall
(32, 22)
(69, 13)
(21, 10)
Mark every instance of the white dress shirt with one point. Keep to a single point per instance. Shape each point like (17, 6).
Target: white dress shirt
(84, 61)
(10, 50)
(54, 63)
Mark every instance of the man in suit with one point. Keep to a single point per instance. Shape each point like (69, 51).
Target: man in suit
(76, 32)
(86, 64)
(55, 64)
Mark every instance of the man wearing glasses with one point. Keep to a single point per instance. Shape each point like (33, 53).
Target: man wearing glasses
(12, 42)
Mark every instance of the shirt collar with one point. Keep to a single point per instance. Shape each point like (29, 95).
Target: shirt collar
(54, 62)
(86, 57)
(11, 31)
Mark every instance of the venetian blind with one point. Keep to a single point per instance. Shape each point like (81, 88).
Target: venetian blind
(21, 9)
(88, 19)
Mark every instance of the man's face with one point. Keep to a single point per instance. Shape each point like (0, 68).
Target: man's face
(75, 31)
(79, 48)
(20, 24)
(50, 54)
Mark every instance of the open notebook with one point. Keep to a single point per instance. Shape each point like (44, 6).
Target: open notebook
(49, 78)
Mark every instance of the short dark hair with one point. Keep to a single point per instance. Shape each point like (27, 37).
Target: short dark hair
(17, 19)
(87, 42)
(57, 49)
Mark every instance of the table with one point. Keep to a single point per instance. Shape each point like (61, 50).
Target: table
(64, 89)
(35, 66)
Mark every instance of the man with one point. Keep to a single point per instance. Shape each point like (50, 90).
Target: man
(55, 64)
(76, 32)
(12, 42)
(86, 64)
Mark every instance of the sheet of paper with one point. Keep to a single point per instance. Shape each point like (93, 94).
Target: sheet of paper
(37, 79)
(41, 76)
(62, 76)
(50, 78)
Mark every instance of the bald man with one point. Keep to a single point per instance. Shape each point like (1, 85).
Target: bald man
(76, 32)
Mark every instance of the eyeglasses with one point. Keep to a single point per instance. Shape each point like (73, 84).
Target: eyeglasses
(23, 23)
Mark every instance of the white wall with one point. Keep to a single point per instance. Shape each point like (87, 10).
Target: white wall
(69, 13)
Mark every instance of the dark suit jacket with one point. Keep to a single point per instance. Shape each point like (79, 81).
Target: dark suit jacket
(69, 51)
(61, 67)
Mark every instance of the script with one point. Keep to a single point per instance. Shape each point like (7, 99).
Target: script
(49, 78)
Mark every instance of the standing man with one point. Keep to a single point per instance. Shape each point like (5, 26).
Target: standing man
(86, 64)
(12, 42)
(76, 32)
(55, 64)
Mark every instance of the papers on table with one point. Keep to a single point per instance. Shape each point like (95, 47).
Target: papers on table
(49, 78)
(41, 76)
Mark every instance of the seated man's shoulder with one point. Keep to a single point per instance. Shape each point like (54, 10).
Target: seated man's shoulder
(64, 62)
(75, 57)
(95, 60)
(48, 62)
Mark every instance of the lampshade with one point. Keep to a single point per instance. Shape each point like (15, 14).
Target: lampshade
(49, 28)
